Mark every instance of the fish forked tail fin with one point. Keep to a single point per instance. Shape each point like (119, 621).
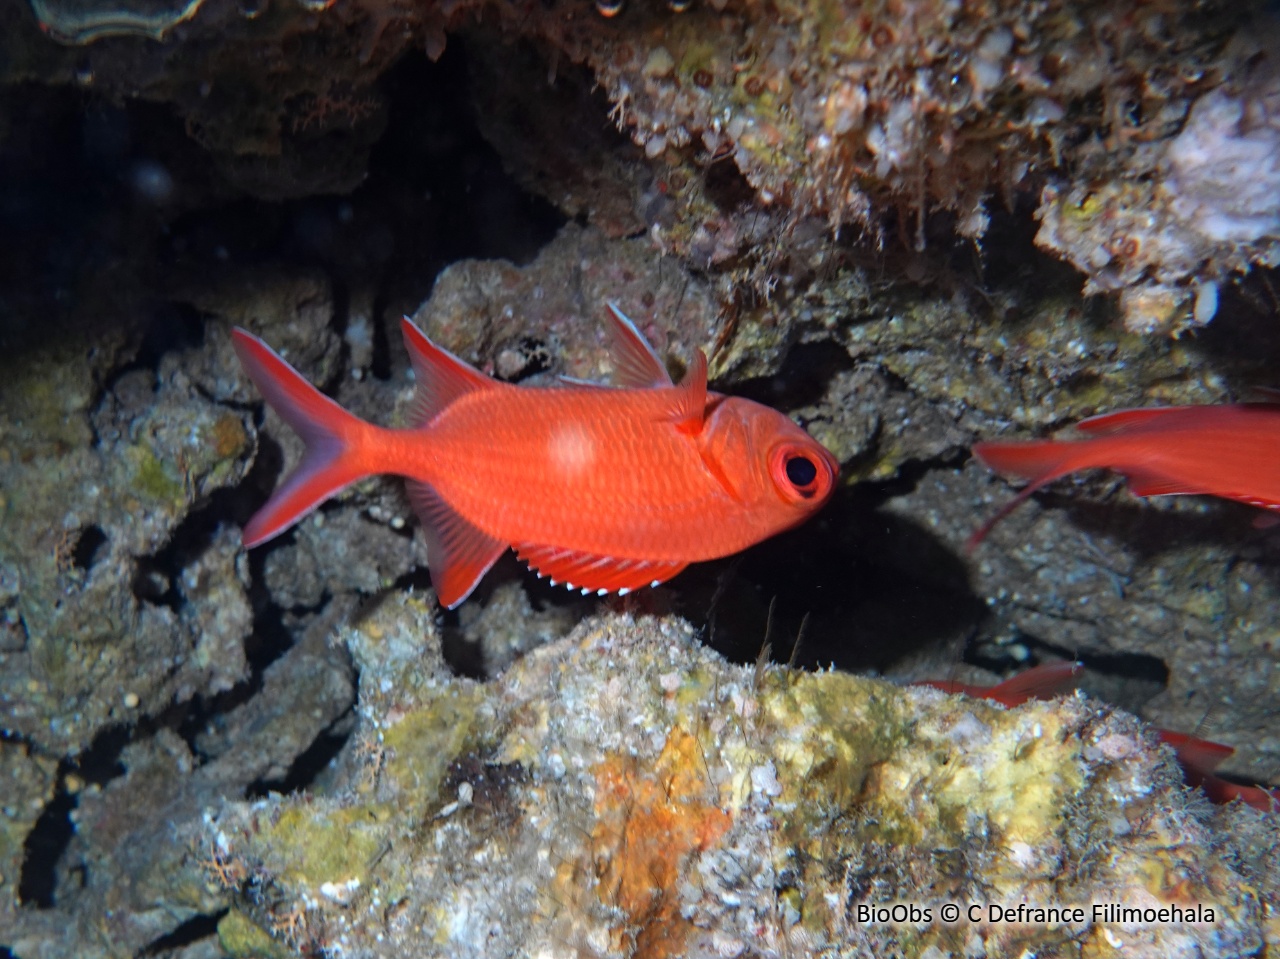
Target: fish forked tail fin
(329, 463)
(1040, 461)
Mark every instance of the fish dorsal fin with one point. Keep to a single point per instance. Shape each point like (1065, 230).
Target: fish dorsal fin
(441, 376)
(635, 363)
(1122, 420)
(458, 553)
(690, 409)
(592, 573)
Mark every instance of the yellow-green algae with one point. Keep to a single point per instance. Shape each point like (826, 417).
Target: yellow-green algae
(241, 938)
(764, 805)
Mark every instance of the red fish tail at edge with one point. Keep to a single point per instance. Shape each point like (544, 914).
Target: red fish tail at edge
(333, 457)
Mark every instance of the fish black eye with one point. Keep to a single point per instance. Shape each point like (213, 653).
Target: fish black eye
(801, 471)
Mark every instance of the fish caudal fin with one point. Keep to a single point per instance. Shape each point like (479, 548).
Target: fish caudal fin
(1041, 461)
(328, 464)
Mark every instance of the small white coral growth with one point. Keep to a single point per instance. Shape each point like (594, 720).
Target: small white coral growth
(1224, 168)
(1191, 211)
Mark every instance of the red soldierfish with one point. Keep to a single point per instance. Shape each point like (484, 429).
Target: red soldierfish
(1040, 682)
(604, 490)
(1227, 451)
(1200, 759)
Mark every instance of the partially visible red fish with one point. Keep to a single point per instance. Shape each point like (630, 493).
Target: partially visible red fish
(1039, 682)
(1227, 451)
(1200, 759)
(604, 490)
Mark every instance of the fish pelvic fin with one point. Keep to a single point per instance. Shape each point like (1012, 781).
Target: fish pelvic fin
(1041, 461)
(441, 376)
(330, 462)
(458, 552)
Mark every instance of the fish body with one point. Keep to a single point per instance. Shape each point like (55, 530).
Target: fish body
(1228, 451)
(1200, 759)
(603, 489)
(1039, 682)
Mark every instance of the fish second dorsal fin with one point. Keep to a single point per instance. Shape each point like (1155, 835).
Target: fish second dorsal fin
(458, 553)
(690, 408)
(441, 376)
(637, 366)
(595, 574)
(635, 363)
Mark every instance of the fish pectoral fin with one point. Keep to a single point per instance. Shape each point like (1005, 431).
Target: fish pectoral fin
(441, 376)
(721, 477)
(592, 573)
(458, 553)
(635, 363)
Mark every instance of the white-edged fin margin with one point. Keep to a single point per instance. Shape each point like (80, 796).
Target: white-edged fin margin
(589, 573)
(635, 363)
(441, 376)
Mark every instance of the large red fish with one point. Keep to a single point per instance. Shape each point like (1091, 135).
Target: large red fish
(601, 489)
(1227, 451)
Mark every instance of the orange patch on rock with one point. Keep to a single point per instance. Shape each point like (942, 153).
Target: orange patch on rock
(648, 823)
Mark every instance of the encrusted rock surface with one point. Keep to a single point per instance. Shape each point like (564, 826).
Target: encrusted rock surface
(625, 791)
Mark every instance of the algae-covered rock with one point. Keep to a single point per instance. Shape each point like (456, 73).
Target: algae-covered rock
(625, 791)
(98, 471)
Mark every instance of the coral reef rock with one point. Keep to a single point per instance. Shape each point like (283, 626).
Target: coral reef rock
(625, 791)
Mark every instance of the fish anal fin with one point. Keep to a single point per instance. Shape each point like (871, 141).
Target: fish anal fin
(458, 552)
(441, 376)
(593, 573)
(690, 409)
(635, 364)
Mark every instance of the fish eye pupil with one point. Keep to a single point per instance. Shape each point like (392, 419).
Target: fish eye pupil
(801, 471)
